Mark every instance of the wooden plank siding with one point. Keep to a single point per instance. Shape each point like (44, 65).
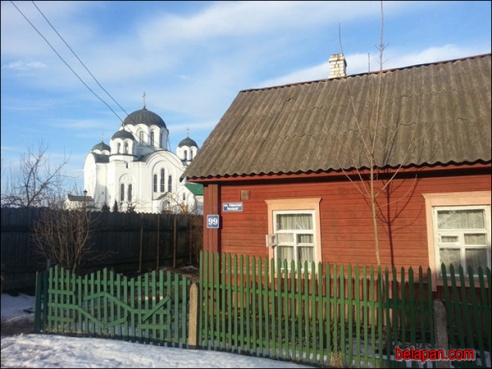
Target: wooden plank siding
(345, 217)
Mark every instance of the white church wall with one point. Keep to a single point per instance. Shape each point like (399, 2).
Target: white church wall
(103, 180)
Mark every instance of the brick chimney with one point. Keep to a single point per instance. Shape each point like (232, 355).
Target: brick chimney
(338, 66)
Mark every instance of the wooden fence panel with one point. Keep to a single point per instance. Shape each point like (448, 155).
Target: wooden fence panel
(316, 314)
(468, 313)
(131, 242)
(333, 315)
(151, 308)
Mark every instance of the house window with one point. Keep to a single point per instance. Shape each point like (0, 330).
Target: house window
(155, 182)
(462, 236)
(163, 180)
(122, 192)
(295, 235)
(458, 230)
(129, 192)
(296, 226)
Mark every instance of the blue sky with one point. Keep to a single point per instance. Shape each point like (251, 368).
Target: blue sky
(192, 59)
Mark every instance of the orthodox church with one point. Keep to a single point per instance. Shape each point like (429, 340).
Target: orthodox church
(136, 171)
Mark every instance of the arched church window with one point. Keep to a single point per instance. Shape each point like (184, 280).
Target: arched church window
(161, 144)
(170, 184)
(141, 136)
(129, 192)
(122, 192)
(126, 148)
(163, 180)
(185, 152)
(155, 182)
(118, 148)
(152, 138)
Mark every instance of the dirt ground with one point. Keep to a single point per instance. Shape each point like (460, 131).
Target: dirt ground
(15, 327)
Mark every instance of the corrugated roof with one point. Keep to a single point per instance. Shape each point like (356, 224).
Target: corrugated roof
(429, 114)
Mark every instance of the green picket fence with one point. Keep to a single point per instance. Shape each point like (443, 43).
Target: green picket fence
(327, 315)
(151, 308)
(315, 314)
(468, 309)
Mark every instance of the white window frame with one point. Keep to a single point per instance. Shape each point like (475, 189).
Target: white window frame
(294, 206)
(295, 244)
(455, 200)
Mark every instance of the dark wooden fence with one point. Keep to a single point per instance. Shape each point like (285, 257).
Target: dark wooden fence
(136, 242)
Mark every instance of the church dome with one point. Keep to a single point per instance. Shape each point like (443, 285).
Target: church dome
(123, 135)
(101, 146)
(144, 116)
(188, 142)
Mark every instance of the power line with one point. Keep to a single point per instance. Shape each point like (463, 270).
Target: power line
(71, 69)
(63, 60)
(81, 62)
(95, 79)
(86, 68)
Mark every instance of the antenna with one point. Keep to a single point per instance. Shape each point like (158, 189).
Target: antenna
(340, 37)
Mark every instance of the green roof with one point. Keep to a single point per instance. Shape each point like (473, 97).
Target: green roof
(195, 188)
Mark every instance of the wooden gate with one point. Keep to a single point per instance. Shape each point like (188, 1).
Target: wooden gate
(150, 308)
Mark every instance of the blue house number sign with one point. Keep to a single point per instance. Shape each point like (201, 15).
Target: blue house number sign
(213, 221)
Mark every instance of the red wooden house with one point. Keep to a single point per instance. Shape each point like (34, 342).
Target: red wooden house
(285, 171)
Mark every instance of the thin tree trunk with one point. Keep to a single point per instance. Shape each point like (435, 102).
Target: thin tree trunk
(374, 216)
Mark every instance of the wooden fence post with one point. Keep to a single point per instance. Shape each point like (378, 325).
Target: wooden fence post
(140, 246)
(193, 317)
(174, 242)
(440, 323)
(157, 245)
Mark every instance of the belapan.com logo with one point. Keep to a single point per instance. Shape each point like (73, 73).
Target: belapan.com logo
(424, 355)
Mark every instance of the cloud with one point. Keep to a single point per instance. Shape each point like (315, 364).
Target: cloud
(313, 73)
(430, 55)
(229, 20)
(80, 124)
(359, 63)
(24, 65)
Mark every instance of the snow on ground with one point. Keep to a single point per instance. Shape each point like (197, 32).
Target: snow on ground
(53, 351)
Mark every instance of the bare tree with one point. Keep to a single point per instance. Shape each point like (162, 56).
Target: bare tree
(35, 182)
(64, 237)
(179, 205)
(377, 144)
